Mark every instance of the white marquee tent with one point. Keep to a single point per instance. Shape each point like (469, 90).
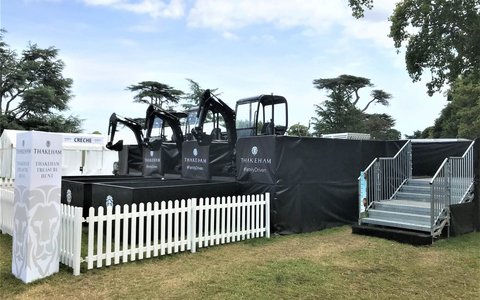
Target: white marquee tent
(83, 154)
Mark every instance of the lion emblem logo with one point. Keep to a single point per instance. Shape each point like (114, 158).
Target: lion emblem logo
(109, 201)
(69, 196)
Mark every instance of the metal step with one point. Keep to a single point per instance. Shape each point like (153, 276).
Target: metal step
(394, 224)
(412, 196)
(404, 206)
(419, 182)
(420, 219)
(416, 189)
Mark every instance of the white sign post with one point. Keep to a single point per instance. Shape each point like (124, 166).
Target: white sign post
(36, 209)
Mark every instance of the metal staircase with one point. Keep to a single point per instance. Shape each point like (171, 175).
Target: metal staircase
(391, 198)
(409, 209)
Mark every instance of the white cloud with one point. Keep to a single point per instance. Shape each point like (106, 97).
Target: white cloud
(236, 14)
(229, 36)
(264, 38)
(34, 1)
(145, 28)
(102, 2)
(365, 30)
(154, 8)
(313, 17)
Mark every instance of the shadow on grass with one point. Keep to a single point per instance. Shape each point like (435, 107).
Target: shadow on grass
(8, 282)
(258, 242)
(465, 241)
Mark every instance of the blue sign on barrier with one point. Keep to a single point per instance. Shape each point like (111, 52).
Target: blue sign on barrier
(363, 193)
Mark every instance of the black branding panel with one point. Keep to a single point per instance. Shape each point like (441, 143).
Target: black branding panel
(256, 159)
(152, 162)
(195, 160)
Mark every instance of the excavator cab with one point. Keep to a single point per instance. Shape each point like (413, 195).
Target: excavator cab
(163, 140)
(219, 115)
(163, 126)
(212, 150)
(189, 123)
(261, 115)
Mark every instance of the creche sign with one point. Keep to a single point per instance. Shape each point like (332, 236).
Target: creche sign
(83, 139)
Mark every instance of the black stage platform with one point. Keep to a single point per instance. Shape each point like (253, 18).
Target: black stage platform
(398, 235)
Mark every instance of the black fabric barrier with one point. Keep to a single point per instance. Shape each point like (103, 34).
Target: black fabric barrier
(152, 163)
(171, 159)
(307, 207)
(77, 190)
(476, 198)
(203, 162)
(195, 161)
(135, 160)
(285, 159)
(427, 157)
(130, 160)
(462, 218)
(158, 162)
(121, 193)
(313, 181)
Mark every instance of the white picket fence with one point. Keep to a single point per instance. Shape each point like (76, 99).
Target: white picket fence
(6, 206)
(71, 237)
(126, 234)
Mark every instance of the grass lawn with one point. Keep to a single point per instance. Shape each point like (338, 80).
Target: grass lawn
(331, 264)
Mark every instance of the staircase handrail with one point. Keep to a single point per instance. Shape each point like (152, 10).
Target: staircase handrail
(439, 170)
(450, 185)
(369, 166)
(385, 175)
(398, 153)
(462, 175)
(466, 151)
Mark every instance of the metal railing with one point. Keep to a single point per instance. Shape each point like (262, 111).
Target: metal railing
(386, 175)
(451, 184)
(462, 174)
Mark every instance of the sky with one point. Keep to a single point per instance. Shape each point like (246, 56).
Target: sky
(241, 47)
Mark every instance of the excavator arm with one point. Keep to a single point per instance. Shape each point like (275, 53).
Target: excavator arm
(112, 128)
(210, 102)
(172, 119)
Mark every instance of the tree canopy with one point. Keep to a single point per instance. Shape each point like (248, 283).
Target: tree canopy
(348, 86)
(359, 6)
(337, 115)
(154, 92)
(380, 127)
(340, 112)
(299, 130)
(192, 98)
(440, 36)
(460, 118)
(33, 90)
